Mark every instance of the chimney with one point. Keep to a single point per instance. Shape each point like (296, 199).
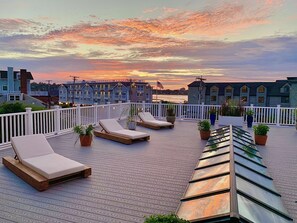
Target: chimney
(10, 80)
(24, 81)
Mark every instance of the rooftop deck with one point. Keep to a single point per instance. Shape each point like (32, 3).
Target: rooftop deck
(129, 182)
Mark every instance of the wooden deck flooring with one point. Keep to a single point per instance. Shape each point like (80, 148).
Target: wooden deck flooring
(129, 182)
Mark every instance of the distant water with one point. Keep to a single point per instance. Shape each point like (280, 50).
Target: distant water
(171, 98)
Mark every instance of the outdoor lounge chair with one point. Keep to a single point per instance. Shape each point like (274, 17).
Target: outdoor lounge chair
(147, 120)
(111, 129)
(37, 163)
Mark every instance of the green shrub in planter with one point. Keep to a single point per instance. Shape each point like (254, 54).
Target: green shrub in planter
(204, 125)
(261, 129)
(169, 218)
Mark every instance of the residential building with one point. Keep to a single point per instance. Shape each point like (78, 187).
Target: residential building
(16, 86)
(280, 92)
(102, 92)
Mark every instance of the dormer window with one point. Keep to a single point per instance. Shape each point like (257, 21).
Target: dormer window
(261, 89)
(244, 89)
(285, 89)
(228, 90)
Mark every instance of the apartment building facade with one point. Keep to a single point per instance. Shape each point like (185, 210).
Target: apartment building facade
(102, 92)
(280, 92)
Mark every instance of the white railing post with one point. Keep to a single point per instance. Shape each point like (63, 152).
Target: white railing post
(108, 109)
(78, 115)
(95, 107)
(278, 115)
(57, 119)
(143, 106)
(180, 110)
(159, 109)
(120, 108)
(29, 122)
(202, 110)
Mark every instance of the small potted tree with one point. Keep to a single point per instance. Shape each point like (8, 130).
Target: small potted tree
(204, 128)
(170, 113)
(85, 134)
(231, 113)
(249, 118)
(212, 115)
(131, 122)
(261, 134)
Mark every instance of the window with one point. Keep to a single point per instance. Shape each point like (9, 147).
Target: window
(17, 97)
(11, 98)
(285, 100)
(213, 98)
(261, 89)
(261, 100)
(140, 87)
(214, 89)
(285, 89)
(244, 89)
(4, 87)
(228, 89)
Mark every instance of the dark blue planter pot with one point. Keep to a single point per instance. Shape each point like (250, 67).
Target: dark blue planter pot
(249, 120)
(212, 119)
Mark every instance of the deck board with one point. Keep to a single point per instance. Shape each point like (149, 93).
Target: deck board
(129, 182)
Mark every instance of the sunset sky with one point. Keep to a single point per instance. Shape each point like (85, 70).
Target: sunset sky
(172, 41)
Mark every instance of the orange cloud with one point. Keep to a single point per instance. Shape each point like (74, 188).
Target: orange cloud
(228, 18)
(169, 30)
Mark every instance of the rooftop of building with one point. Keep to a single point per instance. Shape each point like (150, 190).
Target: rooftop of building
(129, 182)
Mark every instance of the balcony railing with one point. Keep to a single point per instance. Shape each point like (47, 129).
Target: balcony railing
(58, 121)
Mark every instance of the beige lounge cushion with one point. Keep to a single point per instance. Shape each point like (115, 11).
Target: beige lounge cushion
(130, 134)
(110, 125)
(53, 165)
(31, 146)
(146, 116)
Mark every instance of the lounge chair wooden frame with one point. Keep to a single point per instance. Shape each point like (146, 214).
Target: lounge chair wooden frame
(117, 138)
(36, 180)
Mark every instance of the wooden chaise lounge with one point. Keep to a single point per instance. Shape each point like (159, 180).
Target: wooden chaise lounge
(38, 165)
(112, 130)
(148, 121)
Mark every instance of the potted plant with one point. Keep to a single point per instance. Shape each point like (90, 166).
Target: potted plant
(204, 128)
(85, 134)
(131, 122)
(170, 113)
(231, 113)
(249, 118)
(261, 134)
(157, 218)
(212, 115)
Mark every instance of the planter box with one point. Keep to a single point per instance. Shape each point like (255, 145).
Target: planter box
(231, 120)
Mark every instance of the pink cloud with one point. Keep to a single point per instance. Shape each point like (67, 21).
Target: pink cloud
(150, 10)
(14, 24)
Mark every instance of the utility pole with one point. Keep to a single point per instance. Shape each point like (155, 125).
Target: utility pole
(48, 93)
(74, 78)
(200, 88)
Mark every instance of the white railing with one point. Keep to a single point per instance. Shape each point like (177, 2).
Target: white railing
(57, 121)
